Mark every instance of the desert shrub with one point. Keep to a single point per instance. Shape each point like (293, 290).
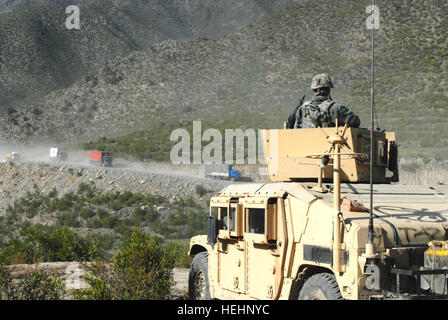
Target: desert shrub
(101, 213)
(137, 219)
(63, 204)
(180, 251)
(87, 213)
(200, 190)
(189, 202)
(151, 200)
(83, 187)
(177, 219)
(90, 194)
(7, 289)
(164, 229)
(151, 215)
(68, 219)
(142, 269)
(115, 205)
(39, 244)
(133, 200)
(124, 228)
(139, 211)
(31, 212)
(94, 223)
(41, 285)
(53, 193)
(111, 221)
(36, 285)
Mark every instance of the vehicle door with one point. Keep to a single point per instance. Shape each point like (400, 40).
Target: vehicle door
(231, 253)
(265, 238)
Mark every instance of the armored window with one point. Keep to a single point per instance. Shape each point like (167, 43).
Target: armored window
(221, 216)
(255, 220)
(232, 216)
(381, 153)
(224, 218)
(228, 220)
(214, 212)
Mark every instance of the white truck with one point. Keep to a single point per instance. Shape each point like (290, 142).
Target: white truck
(58, 154)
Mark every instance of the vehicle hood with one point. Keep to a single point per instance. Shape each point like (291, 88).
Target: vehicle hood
(403, 214)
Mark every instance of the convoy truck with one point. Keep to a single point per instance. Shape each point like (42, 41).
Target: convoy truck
(221, 171)
(102, 158)
(12, 157)
(318, 231)
(58, 154)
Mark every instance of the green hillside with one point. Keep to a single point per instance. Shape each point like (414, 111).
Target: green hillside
(38, 54)
(255, 76)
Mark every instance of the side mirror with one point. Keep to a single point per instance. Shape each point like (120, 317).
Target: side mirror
(212, 229)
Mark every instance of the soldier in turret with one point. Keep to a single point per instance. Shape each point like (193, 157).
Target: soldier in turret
(322, 111)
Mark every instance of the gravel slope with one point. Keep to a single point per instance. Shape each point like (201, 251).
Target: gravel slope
(18, 178)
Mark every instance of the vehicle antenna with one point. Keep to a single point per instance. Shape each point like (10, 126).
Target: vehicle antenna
(370, 247)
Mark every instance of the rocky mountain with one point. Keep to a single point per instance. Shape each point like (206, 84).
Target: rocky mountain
(254, 77)
(38, 54)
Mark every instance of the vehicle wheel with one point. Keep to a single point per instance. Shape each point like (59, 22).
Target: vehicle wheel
(321, 286)
(198, 286)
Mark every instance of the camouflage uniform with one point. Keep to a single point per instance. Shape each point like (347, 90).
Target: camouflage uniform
(322, 111)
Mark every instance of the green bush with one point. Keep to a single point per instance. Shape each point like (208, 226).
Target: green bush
(40, 244)
(152, 200)
(143, 269)
(200, 190)
(151, 215)
(36, 285)
(83, 187)
(115, 205)
(41, 285)
(94, 223)
(87, 213)
(68, 219)
(63, 204)
(183, 260)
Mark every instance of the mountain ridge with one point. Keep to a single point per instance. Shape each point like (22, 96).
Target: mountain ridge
(254, 76)
(38, 54)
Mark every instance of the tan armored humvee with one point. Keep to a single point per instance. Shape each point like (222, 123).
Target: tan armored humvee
(305, 234)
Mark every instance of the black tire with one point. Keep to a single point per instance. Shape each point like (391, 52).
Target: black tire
(321, 286)
(198, 285)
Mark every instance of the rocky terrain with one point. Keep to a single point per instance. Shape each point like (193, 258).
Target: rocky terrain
(17, 179)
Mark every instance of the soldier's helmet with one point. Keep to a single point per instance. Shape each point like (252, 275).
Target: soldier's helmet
(321, 81)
